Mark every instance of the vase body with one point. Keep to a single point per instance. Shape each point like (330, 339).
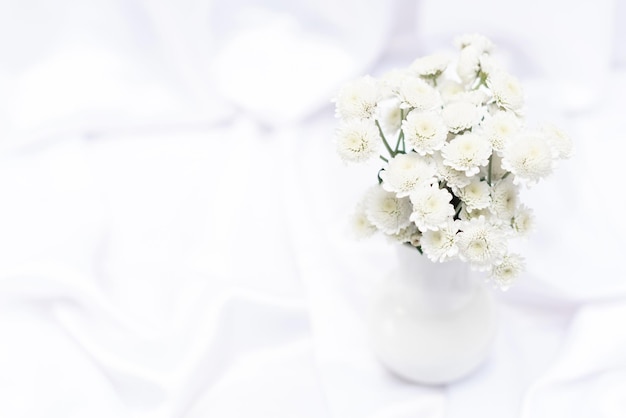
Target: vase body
(431, 323)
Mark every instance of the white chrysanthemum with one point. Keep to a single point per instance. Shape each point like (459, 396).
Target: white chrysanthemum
(464, 215)
(500, 128)
(473, 48)
(358, 99)
(361, 226)
(467, 153)
(449, 89)
(505, 273)
(424, 132)
(409, 234)
(431, 207)
(475, 195)
(453, 178)
(504, 198)
(480, 42)
(528, 157)
(559, 141)
(431, 65)
(391, 82)
(468, 64)
(386, 211)
(488, 65)
(523, 220)
(357, 140)
(389, 115)
(461, 115)
(475, 97)
(507, 91)
(406, 172)
(440, 245)
(482, 244)
(418, 94)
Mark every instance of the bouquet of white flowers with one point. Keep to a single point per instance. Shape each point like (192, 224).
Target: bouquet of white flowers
(456, 152)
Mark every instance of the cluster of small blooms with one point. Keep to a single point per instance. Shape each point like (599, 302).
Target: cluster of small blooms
(455, 153)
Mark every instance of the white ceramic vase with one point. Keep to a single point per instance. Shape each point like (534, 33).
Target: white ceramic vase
(431, 323)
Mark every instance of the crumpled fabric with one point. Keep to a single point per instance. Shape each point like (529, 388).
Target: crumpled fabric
(173, 226)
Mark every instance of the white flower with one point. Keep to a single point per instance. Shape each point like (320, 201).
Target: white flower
(475, 195)
(430, 65)
(475, 97)
(386, 211)
(418, 94)
(467, 152)
(390, 116)
(409, 234)
(473, 48)
(482, 244)
(391, 82)
(406, 172)
(453, 91)
(528, 157)
(431, 207)
(506, 90)
(441, 245)
(504, 197)
(523, 220)
(357, 140)
(480, 42)
(360, 225)
(559, 141)
(449, 89)
(476, 213)
(488, 65)
(358, 99)
(452, 186)
(499, 128)
(424, 132)
(468, 65)
(461, 115)
(504, 273)
(454, 178)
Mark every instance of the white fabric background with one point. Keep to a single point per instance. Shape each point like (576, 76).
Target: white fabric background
(172, 225)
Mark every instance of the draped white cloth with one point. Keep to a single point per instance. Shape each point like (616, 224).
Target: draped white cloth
(173, 237)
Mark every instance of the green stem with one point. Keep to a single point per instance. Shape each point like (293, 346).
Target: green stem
(401, 133)
(383, 158)
(457, 210)
(401, 137)
(400, 142)
(382, 136)
(489, 172)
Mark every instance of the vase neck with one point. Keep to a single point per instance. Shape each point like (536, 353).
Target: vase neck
(436, 287)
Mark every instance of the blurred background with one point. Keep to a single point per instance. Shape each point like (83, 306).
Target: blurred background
(173, 237)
